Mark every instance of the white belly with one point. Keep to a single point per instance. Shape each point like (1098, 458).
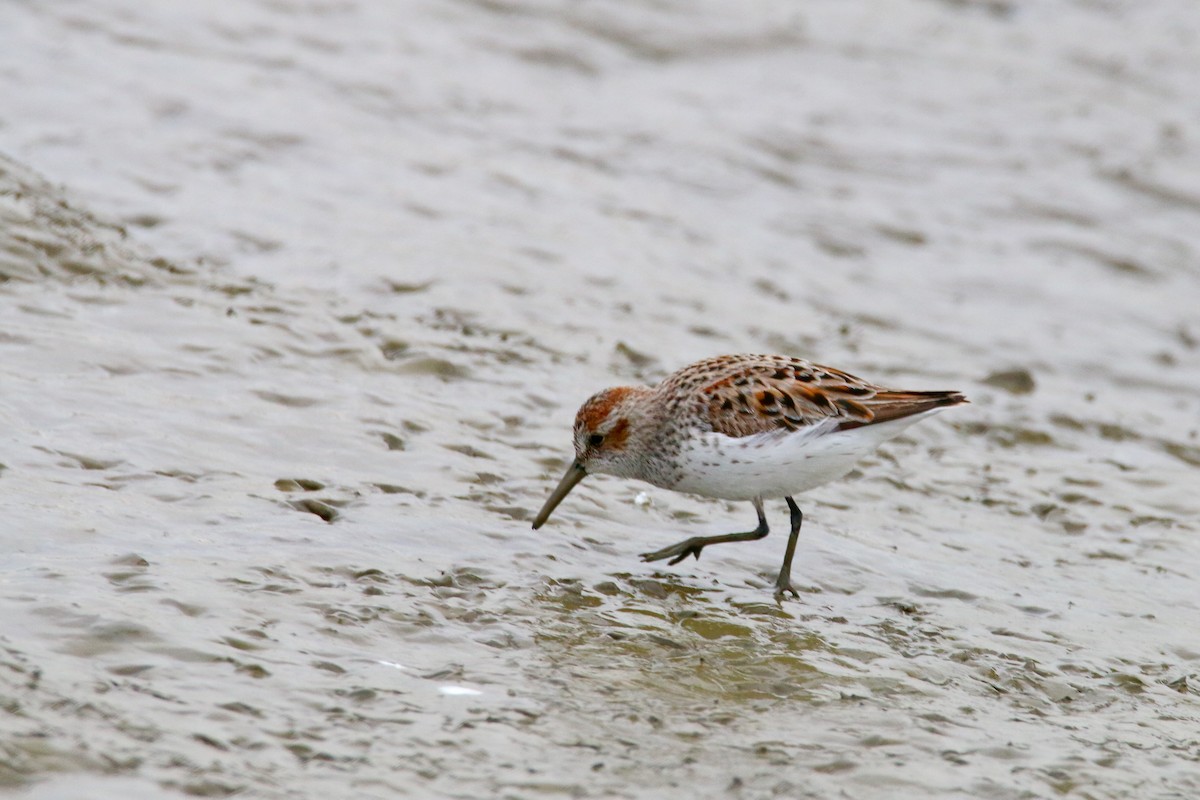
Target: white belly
(778, 464)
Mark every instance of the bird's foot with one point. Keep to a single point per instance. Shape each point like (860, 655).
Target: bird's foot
(678, 552)
(784, 586)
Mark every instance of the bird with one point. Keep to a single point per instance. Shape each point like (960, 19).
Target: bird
(740, 427)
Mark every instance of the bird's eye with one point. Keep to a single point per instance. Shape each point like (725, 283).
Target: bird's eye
(595, 440)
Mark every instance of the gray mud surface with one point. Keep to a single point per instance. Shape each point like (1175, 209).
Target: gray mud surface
(298, 300)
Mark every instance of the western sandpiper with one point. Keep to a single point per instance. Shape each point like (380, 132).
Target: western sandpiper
(742, 427)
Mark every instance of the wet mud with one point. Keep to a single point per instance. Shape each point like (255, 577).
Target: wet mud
(298, 300)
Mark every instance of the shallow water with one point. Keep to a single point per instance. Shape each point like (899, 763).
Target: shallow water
(297, 302)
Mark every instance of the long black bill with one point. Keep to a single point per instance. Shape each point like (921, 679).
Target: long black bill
(575, 473)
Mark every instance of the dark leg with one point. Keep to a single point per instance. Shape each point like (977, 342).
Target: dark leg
(693, 546)
(783, 584)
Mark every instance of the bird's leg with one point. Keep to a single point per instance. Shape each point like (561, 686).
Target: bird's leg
(692, 547)
(783, 584)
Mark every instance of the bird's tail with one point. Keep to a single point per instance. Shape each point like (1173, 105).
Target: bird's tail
(886, 406)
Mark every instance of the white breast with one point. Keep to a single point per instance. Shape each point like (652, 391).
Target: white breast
(779, 463)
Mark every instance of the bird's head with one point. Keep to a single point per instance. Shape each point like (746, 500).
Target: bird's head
(603, 429)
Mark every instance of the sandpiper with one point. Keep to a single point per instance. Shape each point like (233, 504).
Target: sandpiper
(740, 427)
